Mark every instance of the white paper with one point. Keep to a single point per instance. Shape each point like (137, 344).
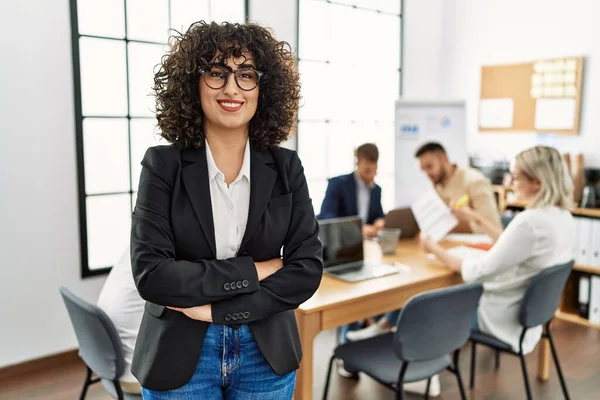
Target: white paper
(470, 238)
(433, 215)
(496, 113)
(554, 114)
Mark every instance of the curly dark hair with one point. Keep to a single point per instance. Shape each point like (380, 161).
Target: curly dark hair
(178, 109)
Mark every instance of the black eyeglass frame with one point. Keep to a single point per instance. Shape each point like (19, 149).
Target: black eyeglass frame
(228, 71)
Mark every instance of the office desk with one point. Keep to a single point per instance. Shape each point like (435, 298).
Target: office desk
(338, 303)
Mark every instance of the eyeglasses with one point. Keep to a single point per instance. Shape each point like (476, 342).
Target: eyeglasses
(216, 77)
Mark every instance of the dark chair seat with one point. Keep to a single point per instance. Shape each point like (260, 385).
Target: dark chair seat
(376, 358)
(491, 341)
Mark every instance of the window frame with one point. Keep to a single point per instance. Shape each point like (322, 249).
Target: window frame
(85, 269)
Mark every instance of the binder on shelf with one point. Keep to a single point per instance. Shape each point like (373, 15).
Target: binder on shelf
(595, 243)
(584, 240)
(595, 299)
(583, 301)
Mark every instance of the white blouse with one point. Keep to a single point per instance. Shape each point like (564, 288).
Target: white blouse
(535, 239)
(230, 205)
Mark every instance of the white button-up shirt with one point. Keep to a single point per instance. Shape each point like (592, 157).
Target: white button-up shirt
(363, 197)
(230, 205)
(535, 239)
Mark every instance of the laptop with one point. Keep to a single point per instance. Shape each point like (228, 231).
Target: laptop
(403, 219)
(343, 254)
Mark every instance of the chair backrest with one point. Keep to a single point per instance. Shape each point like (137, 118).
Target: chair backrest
(543, 294)
(435, 323)
(99, 344)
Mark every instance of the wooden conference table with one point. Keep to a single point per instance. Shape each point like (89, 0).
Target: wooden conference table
(337, 303)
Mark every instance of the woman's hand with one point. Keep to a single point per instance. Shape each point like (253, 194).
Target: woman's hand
(466, 213)
(426, 243)
(199, 313)
(432, 247)
(264, 269)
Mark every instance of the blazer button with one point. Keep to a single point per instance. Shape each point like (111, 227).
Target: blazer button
(246, 315)
(232, 285)
(227, 286)
(245, 283)
(228, 317)
(235, 316)
(238, 284)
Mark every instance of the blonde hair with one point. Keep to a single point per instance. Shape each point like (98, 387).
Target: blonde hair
(546, 165)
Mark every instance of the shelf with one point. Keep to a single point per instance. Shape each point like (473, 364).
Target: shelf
(586, 212)
(585, 268)
(565, 316)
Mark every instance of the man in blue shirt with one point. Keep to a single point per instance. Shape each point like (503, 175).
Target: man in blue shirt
(357, 193)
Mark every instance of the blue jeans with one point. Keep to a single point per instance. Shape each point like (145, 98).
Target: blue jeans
(231, 367)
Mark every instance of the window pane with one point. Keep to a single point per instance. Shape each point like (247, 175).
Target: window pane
(314, 77)
(389, 6)
(341, 142)
(387, 191)
(382, 134)
(103, 77)
(388, 50)
(346, 39)
(106, 155)
(148, 20)
(314, 43)
(316, 190)
(101, 18)
(143, 60)
(312, 140)
(108, 228)
(185, 12)
(144, 134)
(227, 10)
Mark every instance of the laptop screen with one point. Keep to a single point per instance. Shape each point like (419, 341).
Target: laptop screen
(342, 241)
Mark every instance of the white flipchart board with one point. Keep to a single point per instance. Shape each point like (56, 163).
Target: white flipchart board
(422, 121)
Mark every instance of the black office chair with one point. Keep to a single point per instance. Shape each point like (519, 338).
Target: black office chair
(99, 346)
(430, 327)
(537, 308)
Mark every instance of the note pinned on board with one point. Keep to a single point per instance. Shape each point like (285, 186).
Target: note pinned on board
(553, 114)
(433, 215)
(496, 113)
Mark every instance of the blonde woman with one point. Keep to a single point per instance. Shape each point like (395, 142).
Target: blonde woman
(539, 237)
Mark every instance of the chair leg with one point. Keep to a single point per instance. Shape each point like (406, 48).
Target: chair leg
(557, 363)
(118, 389)
(328, 377)
(456, 371)
(497, 359)
(400, 383)
(427, 389)
(525, 377)
(86, 384)
(473, 358)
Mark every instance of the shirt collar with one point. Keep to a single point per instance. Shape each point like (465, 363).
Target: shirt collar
(214, 171)
(362, 183)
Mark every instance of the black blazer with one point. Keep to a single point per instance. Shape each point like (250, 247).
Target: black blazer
(340, 200)
(173, 261)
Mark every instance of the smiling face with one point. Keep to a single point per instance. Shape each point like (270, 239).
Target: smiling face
(525, 187)
(228, 108)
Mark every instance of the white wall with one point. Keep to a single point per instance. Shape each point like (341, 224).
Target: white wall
(421, 59)
(482, 32)
(39, 229)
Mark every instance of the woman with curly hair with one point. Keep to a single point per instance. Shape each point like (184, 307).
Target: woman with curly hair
(224, 242)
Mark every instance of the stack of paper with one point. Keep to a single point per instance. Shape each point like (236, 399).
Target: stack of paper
(433, 215)
(470, 238)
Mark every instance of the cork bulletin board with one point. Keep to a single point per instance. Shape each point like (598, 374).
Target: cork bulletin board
(539, 96)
